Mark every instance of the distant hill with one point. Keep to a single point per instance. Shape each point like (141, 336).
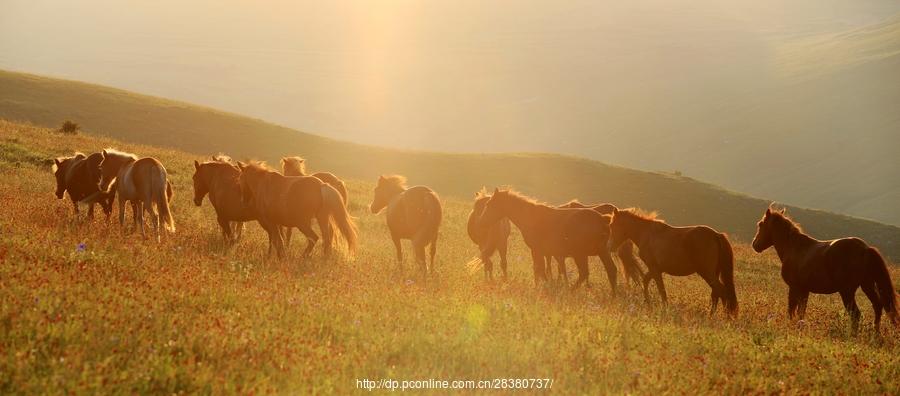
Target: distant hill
(554, 178)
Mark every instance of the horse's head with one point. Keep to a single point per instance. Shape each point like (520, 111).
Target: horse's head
(60, 165)
(245, 180)
(201, 188)
(616, 230)
(627, 224)
(109, 169)
(494, 208)
(387, 188)
(765, 230)
(293, 166)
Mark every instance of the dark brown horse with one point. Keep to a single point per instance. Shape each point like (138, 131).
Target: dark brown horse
(144, 182)
(557, 232)
(413, 213)
(219, 179)
(79, 175)
(293, 201)
(489, 240)
(840, 266)
(625, 252)
(679, 251)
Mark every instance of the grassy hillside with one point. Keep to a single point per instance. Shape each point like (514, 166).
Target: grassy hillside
(128, 316)
(554, 178)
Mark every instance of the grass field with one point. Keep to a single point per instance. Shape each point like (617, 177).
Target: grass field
(188, 315)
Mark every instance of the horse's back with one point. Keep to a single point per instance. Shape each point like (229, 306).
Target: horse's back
(417, 209)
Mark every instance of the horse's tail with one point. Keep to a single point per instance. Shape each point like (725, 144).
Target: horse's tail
(338, 213)
(433, 223)
(726, 274)
(163, 191)
(341, 188)
(883, 282)
(630, 265)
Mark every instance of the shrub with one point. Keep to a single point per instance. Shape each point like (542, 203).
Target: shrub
(69, 127)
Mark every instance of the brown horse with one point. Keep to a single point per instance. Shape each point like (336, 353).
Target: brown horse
(219, 179)
(557, 232)
(293, 201)
(489, 240)
(679, 251)
(142, 181)
(296, 166)
(840, 266)
(625, 252)
(413, 213)
(80, 176)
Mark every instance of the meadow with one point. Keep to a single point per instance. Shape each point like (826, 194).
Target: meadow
(85, 309)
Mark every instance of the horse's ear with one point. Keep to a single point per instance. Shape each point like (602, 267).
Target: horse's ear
(57, 161)
(496, 190)
(768, 211)
(782, 210)
(196, 164)
(241, 165)
(381, 178)
(103, 153)
(301, 160)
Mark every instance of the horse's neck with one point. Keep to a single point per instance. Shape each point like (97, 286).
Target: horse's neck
(523, 214)
(640, 230)
(791, 246)
(394, 201)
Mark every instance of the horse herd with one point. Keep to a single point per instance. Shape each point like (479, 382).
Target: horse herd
(282, 201)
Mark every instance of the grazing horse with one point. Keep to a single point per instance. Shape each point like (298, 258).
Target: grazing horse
(679, 251)
(142, 181)
(296, 166)
(548, 231)
(293, 201)
(489, 240)
(625, 252)
(840, 266)
(80, 176)
(413, 213)
(219, 179)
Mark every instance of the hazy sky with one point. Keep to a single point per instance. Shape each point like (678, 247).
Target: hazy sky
(610, 80)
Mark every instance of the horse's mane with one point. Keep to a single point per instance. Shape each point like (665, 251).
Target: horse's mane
(640, 214)
(393, 180)
(295, 163)
(111, 152)
(77, 154)
(784, 222)
(220, 157)
(521, 197)
(257, 166)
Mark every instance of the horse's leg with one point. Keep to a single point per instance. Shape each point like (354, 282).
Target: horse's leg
(611, 269)
(432, 250)
(486, 254)
(91, 211)
(661, 287)
(716, 288)
(311, 237)
(538, 263)
(646, 284)
(849, 298)
(399, 248)
(875, 299)
(327, 231)
(286, 234)
(581, 262)
(419, 251)
(561, 273)
(502, 249)
(225, 225)
(548, 267)
(275, 241)
(122, 214)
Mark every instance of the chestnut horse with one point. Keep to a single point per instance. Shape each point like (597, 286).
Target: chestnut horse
(625, 252)
(679, 251)
(219, 179)
(293, 201)
(558, 232)
(840, 266)
(80, 176)
(413, 213)
(489, 240)
(296, 166)
(142, 181)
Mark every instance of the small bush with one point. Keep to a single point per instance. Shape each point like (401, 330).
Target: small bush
(69, 127)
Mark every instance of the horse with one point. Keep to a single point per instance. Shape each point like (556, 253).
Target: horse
(489, 240)
(144, 182)
(809, 265)
(80, 176)
(296, 166)
(219, 179)
(679, 251)
(413, 213)
(625, 252)
(558, 232)
(293, 201)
